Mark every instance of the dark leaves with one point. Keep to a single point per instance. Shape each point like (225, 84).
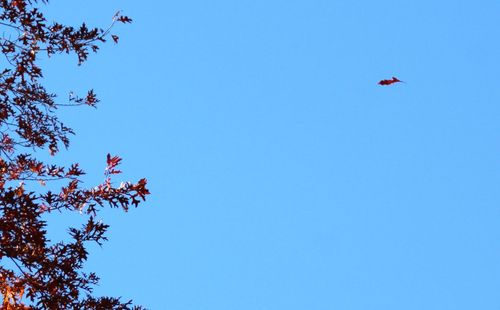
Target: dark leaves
(47, 275)
(124, 19)
(91, 98)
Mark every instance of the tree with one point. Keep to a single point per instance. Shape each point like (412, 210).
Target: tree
(42, 274)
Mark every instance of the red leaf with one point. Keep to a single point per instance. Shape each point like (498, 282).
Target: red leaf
(112, 162)
(391, 81)
(91, 98)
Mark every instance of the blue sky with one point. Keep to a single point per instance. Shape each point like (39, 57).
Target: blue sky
(282, 175)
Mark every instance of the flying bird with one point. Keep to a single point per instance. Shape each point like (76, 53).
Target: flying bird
(389, 82)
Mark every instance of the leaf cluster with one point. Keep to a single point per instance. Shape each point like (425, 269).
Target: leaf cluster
(46, 275)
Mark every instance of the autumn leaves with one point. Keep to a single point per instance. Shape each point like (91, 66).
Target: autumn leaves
(390, 82)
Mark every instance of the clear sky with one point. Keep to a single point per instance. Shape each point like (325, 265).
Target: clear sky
(282, 175)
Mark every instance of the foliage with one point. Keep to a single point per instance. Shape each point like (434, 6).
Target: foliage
(45, 275)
